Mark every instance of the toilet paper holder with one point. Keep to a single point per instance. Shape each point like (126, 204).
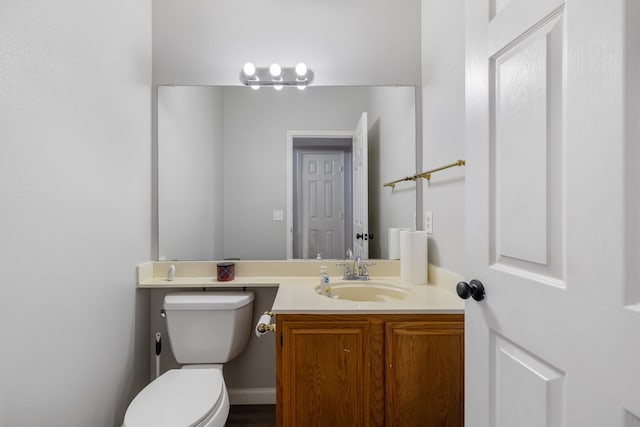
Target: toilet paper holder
(264, 323)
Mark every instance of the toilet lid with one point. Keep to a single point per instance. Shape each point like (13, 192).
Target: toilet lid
(179, 397)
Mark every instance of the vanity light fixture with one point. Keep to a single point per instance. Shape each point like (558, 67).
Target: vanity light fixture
(276, 76)
(275, 70)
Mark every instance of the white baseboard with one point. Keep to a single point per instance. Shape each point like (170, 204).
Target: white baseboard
(252, 396)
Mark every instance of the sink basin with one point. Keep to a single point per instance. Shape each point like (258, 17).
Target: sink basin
(370, 291)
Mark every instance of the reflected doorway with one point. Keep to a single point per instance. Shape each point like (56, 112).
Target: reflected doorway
(320, 212)
(321, 200)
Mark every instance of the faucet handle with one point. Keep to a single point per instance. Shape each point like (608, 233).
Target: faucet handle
(349, 254)
(347, 268)
(364, 268)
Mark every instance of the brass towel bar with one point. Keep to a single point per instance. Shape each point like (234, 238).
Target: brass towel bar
(426, 175)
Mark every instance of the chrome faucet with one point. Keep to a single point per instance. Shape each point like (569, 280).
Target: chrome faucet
(354, 268)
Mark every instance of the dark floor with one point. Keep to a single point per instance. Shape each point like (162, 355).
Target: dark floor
(252, 415)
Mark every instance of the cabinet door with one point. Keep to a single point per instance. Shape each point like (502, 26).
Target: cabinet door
(424, 373)
(323, 373)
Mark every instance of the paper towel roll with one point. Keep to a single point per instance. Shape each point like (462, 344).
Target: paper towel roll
(394, 243)
(264, 319)
(414, 257)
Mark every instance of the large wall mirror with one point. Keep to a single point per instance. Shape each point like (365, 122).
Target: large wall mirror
(254, 174)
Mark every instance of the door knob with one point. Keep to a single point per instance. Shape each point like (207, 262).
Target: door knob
(474, 289)
(364, 236)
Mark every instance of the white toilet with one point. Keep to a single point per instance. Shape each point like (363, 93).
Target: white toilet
(206, 329)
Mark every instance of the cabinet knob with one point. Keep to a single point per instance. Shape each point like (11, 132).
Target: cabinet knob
(474, 289)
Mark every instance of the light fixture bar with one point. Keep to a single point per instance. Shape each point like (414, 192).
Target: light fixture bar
(288, 76)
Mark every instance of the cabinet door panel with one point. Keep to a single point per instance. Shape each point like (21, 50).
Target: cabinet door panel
(324, 373)
(424, 374)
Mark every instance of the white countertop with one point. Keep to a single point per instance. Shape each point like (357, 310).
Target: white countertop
(297, 286)
(212, 282)
(301, 297)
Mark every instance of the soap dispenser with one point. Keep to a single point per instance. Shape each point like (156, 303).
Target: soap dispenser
(325, 289)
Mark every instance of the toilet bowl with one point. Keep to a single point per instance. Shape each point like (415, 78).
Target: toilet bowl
(181, 397)
(205, 330)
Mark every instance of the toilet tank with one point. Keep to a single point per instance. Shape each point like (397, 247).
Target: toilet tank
(208, 327)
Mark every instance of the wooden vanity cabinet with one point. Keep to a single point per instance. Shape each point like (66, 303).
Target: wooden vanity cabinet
(370, 370)
(424, 373)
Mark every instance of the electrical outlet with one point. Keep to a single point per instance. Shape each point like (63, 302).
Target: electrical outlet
(428, 222)
(278, 215)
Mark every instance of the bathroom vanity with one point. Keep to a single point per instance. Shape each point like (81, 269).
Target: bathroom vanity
(370, 363)
(352, 362)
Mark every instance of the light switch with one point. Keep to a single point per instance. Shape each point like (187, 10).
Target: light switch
(278, 215)
(428, 222)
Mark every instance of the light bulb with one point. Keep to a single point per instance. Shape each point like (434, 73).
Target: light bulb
(301, 69)
(249, 69)
(255, 87)
(275, 70)
(277, 87)
(301, 87)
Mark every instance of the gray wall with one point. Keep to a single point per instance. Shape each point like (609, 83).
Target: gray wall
(345, 42)
(443, 122)
(191, 152)
(75, 79)
(392, 154)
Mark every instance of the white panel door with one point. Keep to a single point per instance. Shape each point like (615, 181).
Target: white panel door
(552, 213)
(361, 189)
(322, 204)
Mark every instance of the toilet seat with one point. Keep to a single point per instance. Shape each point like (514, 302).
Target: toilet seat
(179, 397)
